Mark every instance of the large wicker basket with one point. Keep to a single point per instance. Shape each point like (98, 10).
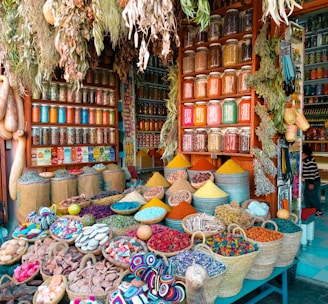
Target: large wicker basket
(59, 295)
(18, 256)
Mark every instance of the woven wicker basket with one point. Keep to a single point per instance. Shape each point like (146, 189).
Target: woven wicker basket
(126, 211)
(268, 253)
(118, 263)
(192, 173)
(175, 175)
(32, 277)
(64, 209)
(149, 194)
(18, 257)
(59, 295)
(177, 197)
(108, 200)
(245, 205)
(151, 220)
(168, 171)
(199, 185)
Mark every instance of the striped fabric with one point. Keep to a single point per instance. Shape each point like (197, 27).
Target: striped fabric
(310, 169)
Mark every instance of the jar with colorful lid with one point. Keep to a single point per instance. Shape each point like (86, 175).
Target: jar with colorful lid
(231, 22)
(214, 28)
(215, 144)
(244, 72)
(244, 140)
(214, 113)
(201, 86)
(246, 48)
(189, 36)
(229, 82)
(200, 113)
(188, 62)
(247, 20)
(229, 111)
(188, 140)
(214, 84)
(188, 87)
(201, 59)
(200, 140)
(230, 52)
(231, 140)
(244, 109)
(214, 56)
(188, 114)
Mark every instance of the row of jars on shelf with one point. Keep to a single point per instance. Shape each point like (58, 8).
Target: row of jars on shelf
(151, 108)
(231, 53)
(215, 112)
(156, 77)
(216, 140)
(148, 140)
(316, 100)
(318, 112)
(316, 57)
(316, 89)
(316, 73)
(150, 92)
(69, 136)
(44, 113)
(318, 39)
(62, 92)
(215, 84)
(233, 22)
(150, 124)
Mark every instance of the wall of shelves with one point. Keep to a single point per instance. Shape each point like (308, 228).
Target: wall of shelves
(71, 129)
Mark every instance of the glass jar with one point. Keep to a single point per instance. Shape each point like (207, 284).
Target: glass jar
(70, 136)
(62, 92)
(230, 52)
(242, 87)
(61, 114)
(214, 113)
(231, 141)
(188, 88)
(78, 135)
(214, 84)
(246, 48)
(146, 124)
(54, 91)
(84, 116)
(201, 86)
(231, 22)
(244, 140)
(62, 136)
(54, 136)
(77, 115)
(86, 136)
(35, 113)
(112, 136)
(99, 116)
(92, 135)
(214, 57)
(201, 59)
(313, 74)
(78, 96)
(215, 140)
(319, 72)
(188, 114)
(53, 114)
(188, 62)
(105, 118)
(200, 140)
(70, 95)
(229, 82)
(44, 116)
(99, 97)
(70, 114)
(45, 136)
(85, 95)
(112, 118)
(244, 110)
(111, 78)
(247, 20)
(200, 113)
(215, 28)
(229, 111)
(92, 116)
(100, 136)
(188, 140)
(201, 35)
(35, 136)
(189, 36)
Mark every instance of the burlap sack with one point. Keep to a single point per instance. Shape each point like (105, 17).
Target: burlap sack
(63, 188)
(30, 197)
(88, 184)
(114, 180)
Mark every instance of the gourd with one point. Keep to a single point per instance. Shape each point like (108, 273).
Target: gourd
(4, 134)
(144, 232)
(10, 120)
(4, 91)
(47, 12)
(283, 214)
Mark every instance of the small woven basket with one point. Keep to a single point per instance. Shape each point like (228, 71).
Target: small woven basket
(168, 171)
(198, 185)
(18, 257)
(59, 295)
(177, 197)
(175, 175)
(118, 263)
(150, 221)
(192, 173)
(30, 278)
(64, 209)
(126, 211)
(108, 200)
(152, 192)
(245, 205)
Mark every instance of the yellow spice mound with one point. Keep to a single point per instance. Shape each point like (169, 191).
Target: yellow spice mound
(230, 167)
(179, 162)
(210, 190)
(157, 179)
(156, 202)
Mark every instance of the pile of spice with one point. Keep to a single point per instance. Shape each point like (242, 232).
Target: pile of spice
(119, 221)
(156, 202)
(203, 164)
(98, 211)
(157, 179)
(263, 235)
(61, 173)
(210, 190)
(179, 161)
(150, 214)
(134, 196)
(230, 167)
(180, 211)
(113, 167)
(284, 226)
(122, 206)
(180, 184)
(228, 244)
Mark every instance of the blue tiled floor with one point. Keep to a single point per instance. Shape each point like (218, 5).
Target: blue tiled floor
(313, 260)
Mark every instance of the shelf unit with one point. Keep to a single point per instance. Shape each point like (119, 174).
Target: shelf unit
(316, 79)
(66, 129)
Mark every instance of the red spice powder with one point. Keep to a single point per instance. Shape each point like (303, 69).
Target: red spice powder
(180, 211)
(203, 164)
